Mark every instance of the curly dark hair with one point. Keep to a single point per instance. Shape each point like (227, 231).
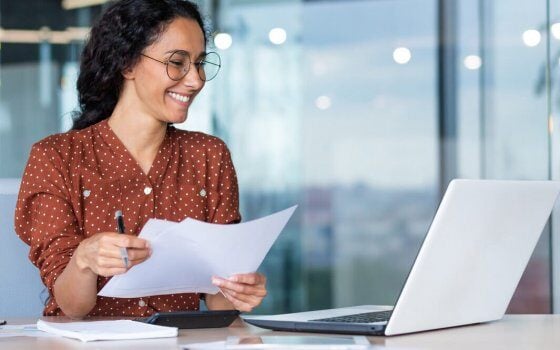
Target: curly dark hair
(115, 43)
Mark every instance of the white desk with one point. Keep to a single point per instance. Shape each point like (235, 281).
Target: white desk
(540, 332)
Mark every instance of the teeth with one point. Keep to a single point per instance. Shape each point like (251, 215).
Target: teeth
(179, 97)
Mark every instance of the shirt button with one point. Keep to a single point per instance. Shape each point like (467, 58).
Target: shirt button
(141, 303)
(147, 190)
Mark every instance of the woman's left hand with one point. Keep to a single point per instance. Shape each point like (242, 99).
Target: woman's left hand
(244, 291)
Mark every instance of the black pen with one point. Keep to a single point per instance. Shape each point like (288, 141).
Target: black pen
(120, 229)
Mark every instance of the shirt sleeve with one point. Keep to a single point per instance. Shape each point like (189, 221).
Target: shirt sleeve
(226, 210)
(44, 218)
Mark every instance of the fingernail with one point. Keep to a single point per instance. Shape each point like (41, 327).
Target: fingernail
(216, 281)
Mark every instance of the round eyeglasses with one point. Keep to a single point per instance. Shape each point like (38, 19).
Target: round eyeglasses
(179, 63)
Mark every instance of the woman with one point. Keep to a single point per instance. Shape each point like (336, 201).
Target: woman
(142, 67)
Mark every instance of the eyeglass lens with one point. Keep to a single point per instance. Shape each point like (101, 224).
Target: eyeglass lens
(207, 67)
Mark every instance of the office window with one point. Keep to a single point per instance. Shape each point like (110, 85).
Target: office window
(503, 112)
(341, 119)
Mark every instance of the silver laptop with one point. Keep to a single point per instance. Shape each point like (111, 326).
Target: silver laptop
(466, 271)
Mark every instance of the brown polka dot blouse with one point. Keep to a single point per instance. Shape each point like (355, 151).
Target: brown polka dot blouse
(75, 181)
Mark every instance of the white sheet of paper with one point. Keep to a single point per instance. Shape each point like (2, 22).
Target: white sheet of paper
(187, 254)
(107, 330)
(22, 330)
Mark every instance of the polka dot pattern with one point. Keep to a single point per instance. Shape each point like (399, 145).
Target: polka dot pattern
(74, 182)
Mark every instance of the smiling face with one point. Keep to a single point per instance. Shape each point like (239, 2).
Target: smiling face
(150, 91)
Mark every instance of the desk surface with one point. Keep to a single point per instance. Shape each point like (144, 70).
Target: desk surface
(513, 332)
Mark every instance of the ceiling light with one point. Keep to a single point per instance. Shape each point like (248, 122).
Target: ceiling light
(223, 41)
(402, 55)
(277, 36)
(531, 37)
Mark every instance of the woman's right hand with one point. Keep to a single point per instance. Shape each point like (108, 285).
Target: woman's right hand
(101, 253)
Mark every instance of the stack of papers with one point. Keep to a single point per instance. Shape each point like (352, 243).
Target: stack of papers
(107, 330)
(187, 254)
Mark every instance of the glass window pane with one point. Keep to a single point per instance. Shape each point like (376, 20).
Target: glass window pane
(341, 120)
(503, 112)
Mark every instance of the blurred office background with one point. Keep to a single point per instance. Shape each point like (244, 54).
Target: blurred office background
(360, 111)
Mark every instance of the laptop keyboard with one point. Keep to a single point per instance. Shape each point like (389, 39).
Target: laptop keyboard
(368, 317)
